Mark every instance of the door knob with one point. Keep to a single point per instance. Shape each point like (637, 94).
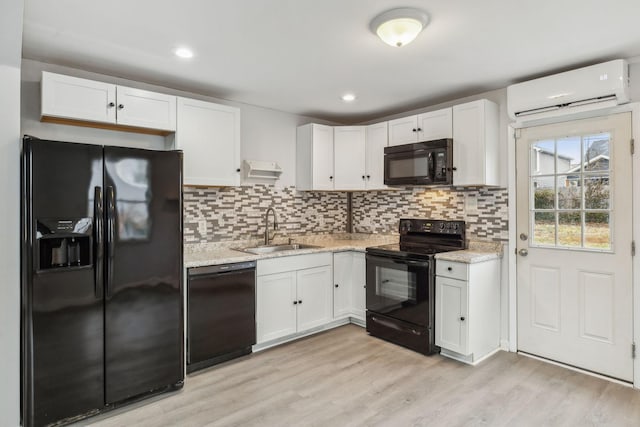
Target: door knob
(523, 252)
(523, 237)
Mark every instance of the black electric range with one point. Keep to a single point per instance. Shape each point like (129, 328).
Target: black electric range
(401, 282)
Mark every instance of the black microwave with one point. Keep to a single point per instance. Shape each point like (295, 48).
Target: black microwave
(422, 163)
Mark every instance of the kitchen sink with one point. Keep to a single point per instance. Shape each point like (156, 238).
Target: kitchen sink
(267, 249)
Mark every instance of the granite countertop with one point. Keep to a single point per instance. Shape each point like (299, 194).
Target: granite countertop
(200, 255)
(477, 252)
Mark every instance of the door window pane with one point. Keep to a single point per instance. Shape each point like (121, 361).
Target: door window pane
(542, 157)
(570, 229)
(596, 191)
(569, 193)
(568, 154)
(570, 187)
(543, 193)
(597, 233)
(544, 228)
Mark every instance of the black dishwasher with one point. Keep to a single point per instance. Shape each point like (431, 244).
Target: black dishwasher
(221, 311)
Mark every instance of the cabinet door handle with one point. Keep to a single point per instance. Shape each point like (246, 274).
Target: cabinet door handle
(419, 129)
(368, 176)
(363, 177)
(121, 106)
(331, 177)
(462, 318)
(449, 269)
(295, 303)
(238, 170)
(111, 104)
(413, 130)
(299, 301)
(336, 285)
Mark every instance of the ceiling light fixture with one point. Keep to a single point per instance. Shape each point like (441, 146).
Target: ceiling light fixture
(399, 27)
(348, 97)
(183, 52)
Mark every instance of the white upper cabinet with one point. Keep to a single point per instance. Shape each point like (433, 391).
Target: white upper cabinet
(209, 135)
(403, 130)
(475, 144)
(146, 109)
(349, 144)
(435, 125)
(72, 98)
(422, 127)
(80, 99)
(377, 138)
(314, 157)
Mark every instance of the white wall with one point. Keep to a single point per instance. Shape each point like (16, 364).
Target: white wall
(10, 52)
(266, 134)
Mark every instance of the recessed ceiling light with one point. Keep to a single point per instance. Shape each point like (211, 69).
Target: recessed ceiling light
(183, 52)
(399, 27)
(348, 97)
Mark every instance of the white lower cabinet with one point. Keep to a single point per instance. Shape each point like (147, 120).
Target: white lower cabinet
(294, 294)
(468, 309)
(349, 293)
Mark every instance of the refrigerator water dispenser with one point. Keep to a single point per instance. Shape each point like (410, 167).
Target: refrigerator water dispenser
(64, 243)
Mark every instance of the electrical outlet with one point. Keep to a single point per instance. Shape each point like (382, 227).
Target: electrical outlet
(470, 203)
(202, 226)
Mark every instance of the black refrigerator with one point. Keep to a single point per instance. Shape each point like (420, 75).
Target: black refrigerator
(102, 291)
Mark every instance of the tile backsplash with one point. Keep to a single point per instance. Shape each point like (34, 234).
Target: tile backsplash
(485, 210)
(234, 213)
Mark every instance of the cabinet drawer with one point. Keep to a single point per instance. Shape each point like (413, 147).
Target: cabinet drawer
(455, 270)
(293, 263)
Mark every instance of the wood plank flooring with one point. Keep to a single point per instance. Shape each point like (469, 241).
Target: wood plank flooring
(344, 377)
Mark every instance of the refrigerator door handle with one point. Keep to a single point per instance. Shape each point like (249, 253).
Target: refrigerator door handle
(111, 213)
(98, 213)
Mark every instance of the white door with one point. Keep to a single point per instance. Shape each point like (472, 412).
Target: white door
(403, 130)
(142, 108)
(349, 157)
(75, 98)
(435, 125)
(322, 156)
(342, 272)
(452, 317)
(377, 139)
(276, 306)
(209, 136)
(315, 297)
(574, 231)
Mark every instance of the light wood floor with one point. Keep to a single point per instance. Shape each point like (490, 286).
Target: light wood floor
(344, 377)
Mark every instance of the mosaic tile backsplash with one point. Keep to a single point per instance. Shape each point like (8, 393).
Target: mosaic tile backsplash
(485, 210)
(237, 213)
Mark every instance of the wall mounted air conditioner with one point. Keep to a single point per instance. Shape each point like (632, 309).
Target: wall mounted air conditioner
(585, 89)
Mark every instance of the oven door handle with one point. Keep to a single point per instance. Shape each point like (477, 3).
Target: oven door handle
(396, 261)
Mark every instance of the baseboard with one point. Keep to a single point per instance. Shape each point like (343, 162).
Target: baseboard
(278, 341)
(469, 360)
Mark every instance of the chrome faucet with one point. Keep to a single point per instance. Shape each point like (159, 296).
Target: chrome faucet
(266, 224)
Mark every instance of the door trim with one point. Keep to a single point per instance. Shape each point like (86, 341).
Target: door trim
(634, 108)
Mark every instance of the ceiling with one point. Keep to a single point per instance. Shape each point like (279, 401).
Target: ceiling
(300, 56)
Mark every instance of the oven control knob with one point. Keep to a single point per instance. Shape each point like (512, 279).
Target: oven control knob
(442, 226)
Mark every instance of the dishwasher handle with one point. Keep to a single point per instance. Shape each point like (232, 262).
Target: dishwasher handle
(222, 268)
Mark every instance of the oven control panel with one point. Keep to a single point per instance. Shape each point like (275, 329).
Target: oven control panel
(431, 226)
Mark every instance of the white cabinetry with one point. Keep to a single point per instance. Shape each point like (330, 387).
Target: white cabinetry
(342, 273)
(294, 295)
(349, 145)
(475, 143)
(314, 157)
(422, 127)
(468, 309)
(67, 99)
(209, 135)
(377, 139)
(343, 158)
(349, 293)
